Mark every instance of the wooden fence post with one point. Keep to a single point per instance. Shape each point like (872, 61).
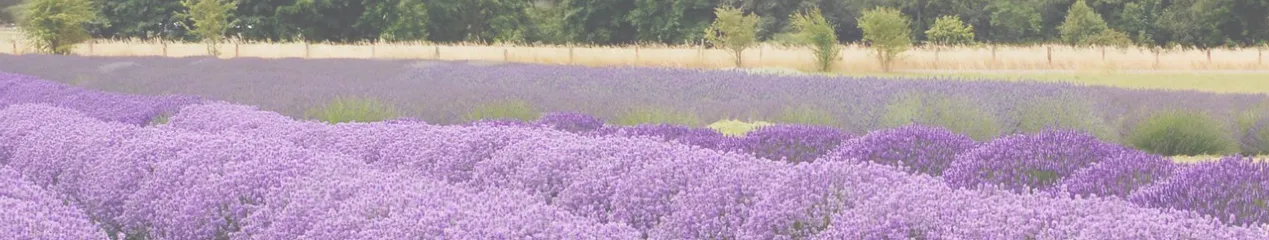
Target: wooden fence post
(636, 61)
(1049, 54)
(1209, 56)
(570, 54)
(90, 46)
(936, 57)
(1156, 57)
(436, 54)
(307, 51)
(372, 50)
(236, 50)
(506, 56)
(164, 49)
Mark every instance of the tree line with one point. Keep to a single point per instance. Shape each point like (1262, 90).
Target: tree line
(1184, 23)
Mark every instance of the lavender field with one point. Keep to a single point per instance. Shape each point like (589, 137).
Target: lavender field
(220, 149)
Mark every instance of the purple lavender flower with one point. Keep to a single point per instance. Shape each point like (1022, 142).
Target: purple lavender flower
(918, 149)
(571, 122)
(790, 143)
(1234, 190)
(28, 212)
(1119, 175)
(702, 137)
(136, 110)
(1028, 162)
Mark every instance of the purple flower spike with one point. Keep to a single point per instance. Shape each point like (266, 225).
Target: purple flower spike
(571, 122)
(1119, 175)
(1234, 190)
(790, 143)
(1022, 163)
(918, 149)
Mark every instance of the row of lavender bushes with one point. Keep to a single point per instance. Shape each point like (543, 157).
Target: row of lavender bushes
(450, 92)
(60, 150)
(223, 171)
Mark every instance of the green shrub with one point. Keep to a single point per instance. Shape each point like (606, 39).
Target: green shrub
(956, 114)
(1173, 133)
(1253, 127)
(352, 109)
(160, 119)
(512, 109)
(55, 26)
(650, 115)
(736, 128)
(806, 115)
(1065, 112)
(816, 32)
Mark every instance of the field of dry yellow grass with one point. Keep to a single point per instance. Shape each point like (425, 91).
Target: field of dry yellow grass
(1217, 70)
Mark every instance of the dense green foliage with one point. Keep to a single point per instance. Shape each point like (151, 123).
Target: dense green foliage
(886, 32)
(812, 30)
(211, 18)
(352, 109)
(1182, 133)
(956, 114)
(1186, 23)
(55, 26)
(949, 30)
(733, 30)
(1064, 112)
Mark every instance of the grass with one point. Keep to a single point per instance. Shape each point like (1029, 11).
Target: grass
(1210, 158)
(1206, 81)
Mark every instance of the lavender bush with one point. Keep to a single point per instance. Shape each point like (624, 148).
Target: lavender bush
(915, 148)
(223, 171)
(1119, 175)
(790, 143)
(137, 110)
(29, 212)
(1022, 163)
(571, 122)
(1234, 190)
(452, 89)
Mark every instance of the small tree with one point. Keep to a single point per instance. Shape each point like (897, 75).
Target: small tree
(814, 31)
(949, 31)
(733, 30)
(55, 26)
(887, 32)
(211, 19)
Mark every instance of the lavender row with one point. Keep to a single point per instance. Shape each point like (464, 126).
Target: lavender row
(137, 110)
(444, 92)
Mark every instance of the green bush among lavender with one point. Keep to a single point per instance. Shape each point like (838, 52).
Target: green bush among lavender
(503, 110)
(352, 109)
(736, 128)
(806, 115)
(1189, 133)
(957, 114)
(1064, 112)
(654, 115)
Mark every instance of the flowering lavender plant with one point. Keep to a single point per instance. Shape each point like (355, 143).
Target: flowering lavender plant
(1119, 175)
(1234, 190)
(916, 148)
(571, 122)
(1028, 162)
(790, 143)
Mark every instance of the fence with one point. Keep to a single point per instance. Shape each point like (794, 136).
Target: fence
(853, 57)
